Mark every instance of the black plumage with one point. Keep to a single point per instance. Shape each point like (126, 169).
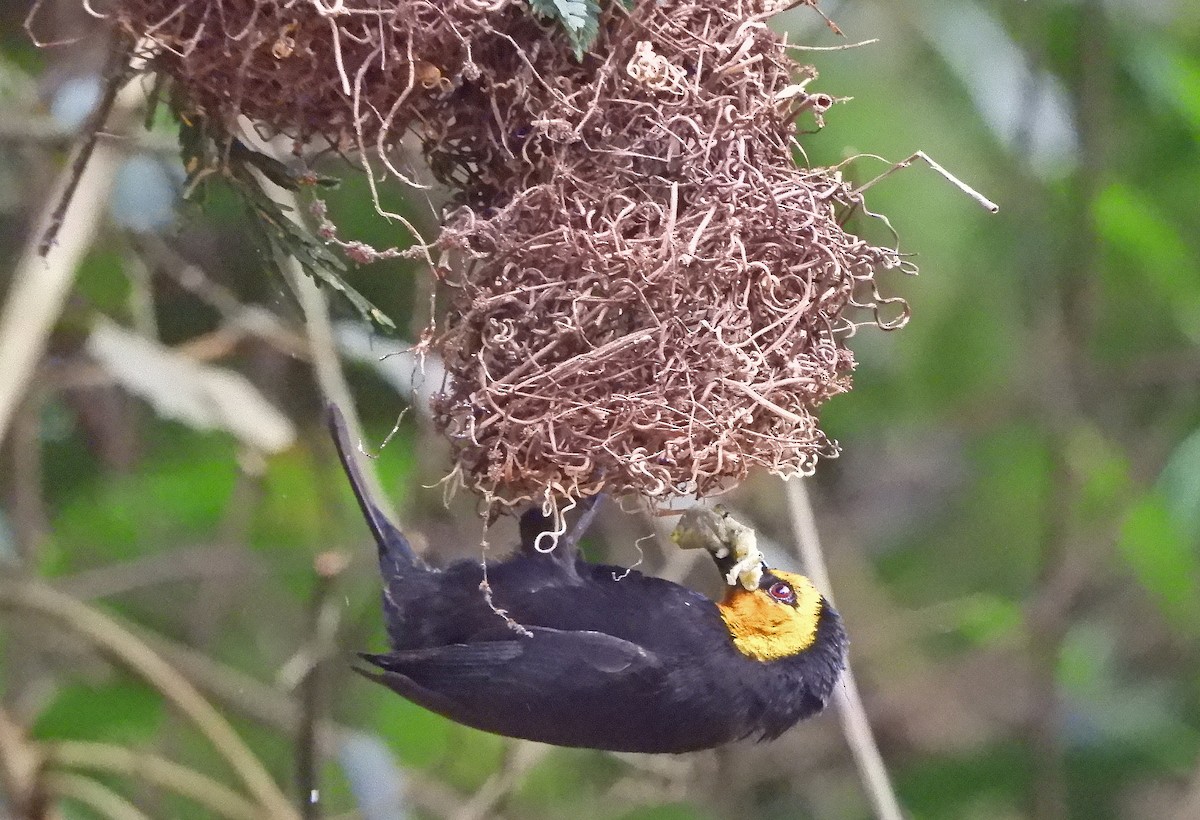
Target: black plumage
(587, 655)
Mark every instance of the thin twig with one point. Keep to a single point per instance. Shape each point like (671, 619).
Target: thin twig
(109, 757)
(235, 314)
(203, 562)
(846, 698)
(116, 75)
(271, 707)
(19, 766)
(859, 44)
(40, 282)
(29, 518)
(323, 347)
(324, 617)
(951, 178)
(521, 756)
(103, 800)
(37, 598)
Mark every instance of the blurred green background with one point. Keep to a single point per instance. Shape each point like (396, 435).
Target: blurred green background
(1013, 528)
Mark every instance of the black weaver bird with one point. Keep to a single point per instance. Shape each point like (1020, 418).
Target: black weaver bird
(579, 654)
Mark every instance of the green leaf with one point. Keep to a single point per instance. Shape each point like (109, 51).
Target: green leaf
(988, 619)
(1135, 226)
(1104, 473)
(579, 18)
(280, 236)
(1089, 671)
(177, 494)
(1161, 536)
(561, 780)
(208, 153)
(1179, 485)
(1171, 75)
(132, 712)
(418, 737)
(103, 281)
(1162, 560)
(666, 811)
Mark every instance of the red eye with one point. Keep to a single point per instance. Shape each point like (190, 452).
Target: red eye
(782, 592)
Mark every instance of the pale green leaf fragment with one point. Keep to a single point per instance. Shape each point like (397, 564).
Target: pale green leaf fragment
(1179, 485)
(1172, 76)
(1135, 225)
(1162, 561)
(580, 19)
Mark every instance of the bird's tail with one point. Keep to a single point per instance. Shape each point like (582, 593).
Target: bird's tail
(395, 553)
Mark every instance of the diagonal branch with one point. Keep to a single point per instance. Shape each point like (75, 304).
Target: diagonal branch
(847, 700)
(108, 757)
(36, 598)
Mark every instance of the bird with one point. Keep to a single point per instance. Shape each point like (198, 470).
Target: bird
(549, 647)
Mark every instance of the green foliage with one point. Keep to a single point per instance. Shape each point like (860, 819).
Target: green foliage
(132, 713)
(1153, 249)
(987, 619)
(419, 738)
(1160, 537)
(176, 496)
(669, 811)
(1179, 484)
(1173, 76)
(989, 782)
(1092, 680)
(104, 282)
(579, 18)
(390, 283)
(209, 155)
(474, 756)
(1163, 561)
(1103, 472)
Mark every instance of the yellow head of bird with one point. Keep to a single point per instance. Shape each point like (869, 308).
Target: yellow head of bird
(777, 620)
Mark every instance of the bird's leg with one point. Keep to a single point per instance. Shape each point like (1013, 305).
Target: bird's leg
(591, 506)
(534, 525)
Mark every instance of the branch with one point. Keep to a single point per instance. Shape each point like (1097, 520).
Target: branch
(279, 710)
(326, 364)
(324, 619)
(40, 282)
(109, 757)
(200, 563)
(93, 794)
(19, 770)
(116, 75)
(520, 757)
(983, 201)
(107, 633)
(847, 700)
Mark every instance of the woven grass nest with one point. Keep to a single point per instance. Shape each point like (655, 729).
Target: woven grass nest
(648, 293)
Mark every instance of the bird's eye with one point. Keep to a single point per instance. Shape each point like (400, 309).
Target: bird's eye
(782, 592)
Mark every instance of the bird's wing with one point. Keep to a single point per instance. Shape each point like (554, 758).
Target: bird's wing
(555, 686)
(542, 654)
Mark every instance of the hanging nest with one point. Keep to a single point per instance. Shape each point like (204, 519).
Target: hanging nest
(648, 293)
(356, 76)
(666, 311)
